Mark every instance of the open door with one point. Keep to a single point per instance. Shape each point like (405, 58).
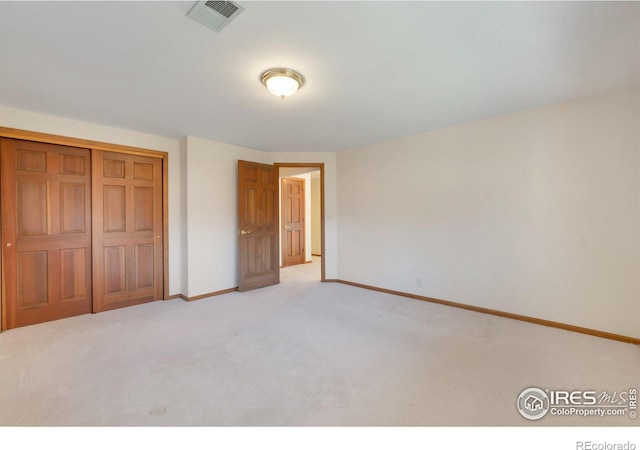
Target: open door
(258, 229)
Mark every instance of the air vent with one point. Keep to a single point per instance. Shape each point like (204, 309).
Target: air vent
(215, 15)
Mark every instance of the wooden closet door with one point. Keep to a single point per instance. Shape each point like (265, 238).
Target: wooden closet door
(127, 232)
(46, 232)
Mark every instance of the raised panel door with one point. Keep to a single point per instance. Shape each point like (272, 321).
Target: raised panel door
(293, 226)
(46, 232)
(127, 246)
(258, 225)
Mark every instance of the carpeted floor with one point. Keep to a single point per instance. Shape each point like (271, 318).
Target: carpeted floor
(299, 353)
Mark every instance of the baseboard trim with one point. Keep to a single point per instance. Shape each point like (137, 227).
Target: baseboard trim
(494, 312)
(210, 294)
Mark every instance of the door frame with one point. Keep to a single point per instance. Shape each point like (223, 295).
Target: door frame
(313, 166)
(46, 138)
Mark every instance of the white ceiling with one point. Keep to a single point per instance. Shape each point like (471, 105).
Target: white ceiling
(374, 70)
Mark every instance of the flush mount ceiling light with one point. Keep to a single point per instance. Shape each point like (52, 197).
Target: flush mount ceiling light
(282, 82)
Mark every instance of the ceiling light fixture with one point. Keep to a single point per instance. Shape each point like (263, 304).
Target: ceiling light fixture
(282, 82)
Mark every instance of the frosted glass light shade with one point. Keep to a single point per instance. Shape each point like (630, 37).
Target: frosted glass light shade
(282, 82)
(282, 86)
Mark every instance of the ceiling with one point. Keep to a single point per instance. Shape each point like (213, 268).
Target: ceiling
(374, 70)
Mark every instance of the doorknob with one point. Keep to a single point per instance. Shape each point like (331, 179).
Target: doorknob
(244, 232)
(9, 244)
(286, 227)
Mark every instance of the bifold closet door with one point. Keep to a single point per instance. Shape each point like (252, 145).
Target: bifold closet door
(46, 231)
(127, 231)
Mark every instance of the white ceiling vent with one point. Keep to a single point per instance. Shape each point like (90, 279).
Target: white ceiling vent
(215, 15)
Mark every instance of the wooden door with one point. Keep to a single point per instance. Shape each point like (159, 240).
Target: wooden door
(258, 242)
(46, 232)
(293, 237)
(127, 232)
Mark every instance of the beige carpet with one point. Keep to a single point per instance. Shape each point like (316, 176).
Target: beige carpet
(299, 353)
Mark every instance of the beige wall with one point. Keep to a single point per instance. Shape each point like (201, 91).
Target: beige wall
(535, 213)
(211, 225)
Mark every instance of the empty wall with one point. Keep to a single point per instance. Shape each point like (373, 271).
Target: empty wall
(535, 213)
(212, 217)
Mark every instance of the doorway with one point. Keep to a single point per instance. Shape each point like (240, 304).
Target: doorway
(302, 216)
(259, 222)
